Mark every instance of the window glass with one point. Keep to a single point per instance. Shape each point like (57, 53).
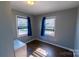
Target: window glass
(22, 26)
(50, 26)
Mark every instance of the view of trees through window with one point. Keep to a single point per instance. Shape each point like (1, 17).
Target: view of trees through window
(50, 26)
(22, 25)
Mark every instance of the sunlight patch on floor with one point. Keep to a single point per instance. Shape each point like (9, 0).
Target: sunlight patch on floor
(39, 52)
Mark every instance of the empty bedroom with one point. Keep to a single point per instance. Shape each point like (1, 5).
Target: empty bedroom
(34, 28)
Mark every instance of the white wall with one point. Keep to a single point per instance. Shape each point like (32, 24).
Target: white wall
(35, 26)
(77, 36)
(65, 27)
(6, 30)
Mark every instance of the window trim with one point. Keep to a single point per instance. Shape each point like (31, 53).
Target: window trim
(51, 17)
(19, 16)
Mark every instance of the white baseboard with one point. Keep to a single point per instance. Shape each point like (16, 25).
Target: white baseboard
(54, 45)
(29, 40)
(57, 45)
(76, 53)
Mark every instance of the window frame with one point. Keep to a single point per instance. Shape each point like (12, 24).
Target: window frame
(24, 17)
(51, 17)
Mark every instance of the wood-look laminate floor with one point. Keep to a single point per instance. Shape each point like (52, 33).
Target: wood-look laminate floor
(52, 51)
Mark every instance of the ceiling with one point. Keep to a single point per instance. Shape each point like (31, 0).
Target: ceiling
(41, 7)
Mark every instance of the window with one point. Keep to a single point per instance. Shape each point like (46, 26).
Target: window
(50, 26)
(22, 24)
